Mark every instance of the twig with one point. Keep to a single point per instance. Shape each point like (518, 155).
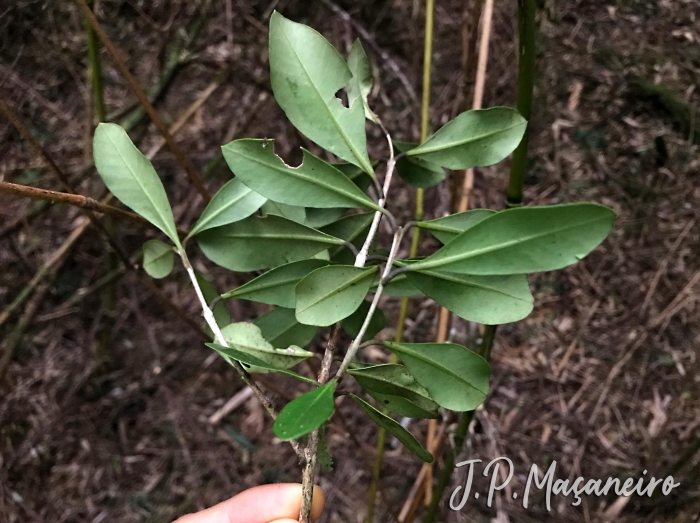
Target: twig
(143, 99)
(76, 200)
(219, 338)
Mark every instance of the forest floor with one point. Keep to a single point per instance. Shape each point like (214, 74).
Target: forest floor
(105, 415)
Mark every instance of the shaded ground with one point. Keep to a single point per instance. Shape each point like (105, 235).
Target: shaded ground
(601, 378)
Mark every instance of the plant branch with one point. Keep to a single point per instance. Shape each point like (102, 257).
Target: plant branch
(355, 345)
(143, 99)
(219, 338)
(361, 258)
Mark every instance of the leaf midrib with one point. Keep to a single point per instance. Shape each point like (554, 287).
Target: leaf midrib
(454, 279)
(426, 149)
(445, 260)
(337, 125)
(170, 232)
(280, 236)
(424, 359)
(360, 276)
(297, 172)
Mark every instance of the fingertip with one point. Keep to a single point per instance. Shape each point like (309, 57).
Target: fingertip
(285, 521)
(319, 501)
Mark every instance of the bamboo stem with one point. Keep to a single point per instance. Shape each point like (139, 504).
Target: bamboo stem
(415, 239)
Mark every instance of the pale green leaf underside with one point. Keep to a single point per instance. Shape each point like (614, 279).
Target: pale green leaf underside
(415, 171)
(491, 300)
(260, 243)
(447, 227)
(252, 363)
(454, 376)
(524, 240)
(295, 213)
(232, 203)
(281, 328)
(314, 183)
(474, 139)
(276, 287)
(158, 258)
(361, 83)
(394, 428)
(248, 338)
(332, 293)
(305, 413)
(306, 72)
(129, 175)
(393, 387)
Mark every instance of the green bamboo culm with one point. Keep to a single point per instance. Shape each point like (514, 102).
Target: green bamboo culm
(526, 80)
(415, 239)
(514, 198)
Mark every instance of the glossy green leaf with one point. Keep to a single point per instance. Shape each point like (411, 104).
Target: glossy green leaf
(392, 386)
(524, 240)
(232, 203)
(260, 243)
(129, 175)
(332, 293)
(448, 227)
(318, 218)
(158, 258)
(276, 287)
(349, 228)
(221, 313)
(305, 413)
(360, 85)
(306, 72)
(252, 363)
(394, 428)
(314, 183)
(353, 323)
(291, 212)
(248, 338)
(474, 139)
(491, 300)
(281, 328)
(454, 376)
(415, 171)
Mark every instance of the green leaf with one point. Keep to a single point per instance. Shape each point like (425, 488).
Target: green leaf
(401, 287)
(317, 218)
(523, 240)
(260, 243)
(353, 323)
(455, 377)
(331, 293)
(491, 300)
(291, 212)
(392, 386)
(448, 227)
(415, 171)
(232, 203)
(306, 72)
(356, 174)
(349, 228)
(253, 364)
(281, 328)
(305, 413)
(276, 287)
(314, 183)
(248, 338)
(395, 429)
(129, 175)
(221, 313)
(361, 83)
(158, 258)
(474, 139)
